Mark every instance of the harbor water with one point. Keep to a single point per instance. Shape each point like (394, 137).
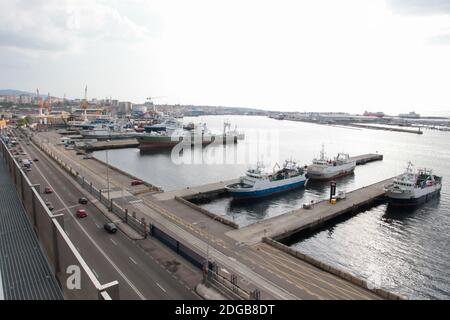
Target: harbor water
(404, 251)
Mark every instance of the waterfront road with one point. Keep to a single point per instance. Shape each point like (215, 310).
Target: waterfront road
(111, 256)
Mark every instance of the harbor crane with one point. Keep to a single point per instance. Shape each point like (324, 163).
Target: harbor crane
(84, 105)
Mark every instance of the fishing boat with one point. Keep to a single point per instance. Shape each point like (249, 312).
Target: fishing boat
(257, 184)
(413, 187)
(324, 168)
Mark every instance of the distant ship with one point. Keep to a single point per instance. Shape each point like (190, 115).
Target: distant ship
(257, 184)
(413, 188)
(170, 138)
(324, 169)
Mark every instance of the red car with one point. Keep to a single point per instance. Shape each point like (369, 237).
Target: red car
(136, 182)
(48, 190)
(81, 213)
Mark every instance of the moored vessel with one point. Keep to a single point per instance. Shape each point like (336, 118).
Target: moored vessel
(413, 187)
(257, 184)
(324, 168)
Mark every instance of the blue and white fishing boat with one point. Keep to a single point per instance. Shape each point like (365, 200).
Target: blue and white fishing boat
(257, 184)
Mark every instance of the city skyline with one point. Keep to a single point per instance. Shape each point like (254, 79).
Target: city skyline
(388, 56)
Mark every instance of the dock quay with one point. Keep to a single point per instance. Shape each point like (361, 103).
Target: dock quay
(365, 158)
(190, 193)
(357, 125)
(200, 193)
(285, 225)
(113, 144)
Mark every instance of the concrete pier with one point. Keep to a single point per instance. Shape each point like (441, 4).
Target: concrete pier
(113, 144)
(365, 158)
(287, 224)
(207, 190)
(218, 188)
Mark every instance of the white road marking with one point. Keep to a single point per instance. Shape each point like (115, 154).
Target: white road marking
(141, 296)
(98, 226)
(115, 243)
(132, 260)
(160, 287)
(2, 296)
(95, 273)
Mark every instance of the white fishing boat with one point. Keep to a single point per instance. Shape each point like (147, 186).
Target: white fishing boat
(413, 187)
(324, 168)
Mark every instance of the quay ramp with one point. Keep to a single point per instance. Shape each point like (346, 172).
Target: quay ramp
(113, 144)
(365, 158)
(287, 224)
(206, 190)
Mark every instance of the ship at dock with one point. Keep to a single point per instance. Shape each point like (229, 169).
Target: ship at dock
(324, 168)
(256, 183)
(413, 187)
(170, 137)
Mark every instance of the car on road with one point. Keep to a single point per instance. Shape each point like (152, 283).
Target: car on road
(82, 200)
(48, 190)
(35, 159)
(81, 213)
(136, 182)
(110, 227)
(49, 205)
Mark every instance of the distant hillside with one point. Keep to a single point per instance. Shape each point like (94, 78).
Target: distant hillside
(11, 92)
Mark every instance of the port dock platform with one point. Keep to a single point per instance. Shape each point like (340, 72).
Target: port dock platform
(287, 224)
(218, 188)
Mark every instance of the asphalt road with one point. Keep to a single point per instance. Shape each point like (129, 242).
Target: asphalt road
(111, 256)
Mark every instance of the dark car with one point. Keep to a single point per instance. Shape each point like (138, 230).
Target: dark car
(49, 205)
(136, 182)
(35, 159)
(110, 227)
(82, 200)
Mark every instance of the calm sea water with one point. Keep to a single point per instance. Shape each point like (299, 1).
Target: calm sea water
(407, 252)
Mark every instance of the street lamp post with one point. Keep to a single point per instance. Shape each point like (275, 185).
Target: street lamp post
(107, 170)
(206, 226)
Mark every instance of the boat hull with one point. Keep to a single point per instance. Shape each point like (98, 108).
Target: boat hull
(411, 201)
(251, 193)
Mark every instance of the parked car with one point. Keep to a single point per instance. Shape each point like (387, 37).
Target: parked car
(49, 205)
(83, 200)
(81, 213)
(48, 190)
(136, 182)
(110, 227)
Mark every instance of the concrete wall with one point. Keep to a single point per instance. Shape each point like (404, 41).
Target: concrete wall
(60, 252)
(337, 272)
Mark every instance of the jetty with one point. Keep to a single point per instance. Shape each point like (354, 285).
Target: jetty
(112, 144)
(199, 193)
(287, 224)
(364, 126)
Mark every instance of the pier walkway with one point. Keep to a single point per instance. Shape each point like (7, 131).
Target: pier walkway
(300, 219)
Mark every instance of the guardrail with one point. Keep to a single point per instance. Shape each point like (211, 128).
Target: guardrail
(73, 275)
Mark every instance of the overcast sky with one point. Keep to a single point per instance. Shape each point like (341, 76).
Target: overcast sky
(317, 55)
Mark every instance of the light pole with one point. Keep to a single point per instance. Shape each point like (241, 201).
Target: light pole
(107, 169)
(206, 226)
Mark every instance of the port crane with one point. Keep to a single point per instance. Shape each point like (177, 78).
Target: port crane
(84, 105)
